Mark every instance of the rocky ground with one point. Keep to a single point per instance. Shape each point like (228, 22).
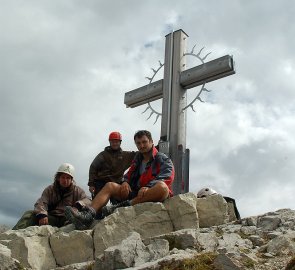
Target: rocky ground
(3, 228)
(181, 234)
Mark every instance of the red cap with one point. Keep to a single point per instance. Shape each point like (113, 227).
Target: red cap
(115, 135)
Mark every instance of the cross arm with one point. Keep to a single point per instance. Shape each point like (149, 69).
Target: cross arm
(204, 73)
(207, 72)
(144, 94)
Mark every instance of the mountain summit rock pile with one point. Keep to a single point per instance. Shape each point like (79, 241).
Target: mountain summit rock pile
(184, 230)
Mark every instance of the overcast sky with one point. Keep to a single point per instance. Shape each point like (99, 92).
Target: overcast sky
(65, 66)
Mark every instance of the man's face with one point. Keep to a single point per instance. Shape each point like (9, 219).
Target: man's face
(115, 144)
(65, 180)
(143, 144)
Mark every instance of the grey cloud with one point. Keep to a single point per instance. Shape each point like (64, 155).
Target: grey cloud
(66, 66)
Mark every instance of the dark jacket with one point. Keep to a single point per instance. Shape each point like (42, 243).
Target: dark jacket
(109, 166)
(54, 199)
(159, 168)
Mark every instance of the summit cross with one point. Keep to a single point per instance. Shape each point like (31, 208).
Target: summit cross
(172, 89)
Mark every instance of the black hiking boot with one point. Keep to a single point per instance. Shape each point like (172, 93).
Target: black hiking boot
(81, 219)
(109, 209)
(69, 216)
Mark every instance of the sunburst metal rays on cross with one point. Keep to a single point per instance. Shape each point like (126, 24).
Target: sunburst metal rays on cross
(190, 105)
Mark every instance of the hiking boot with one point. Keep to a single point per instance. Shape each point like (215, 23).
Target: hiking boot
(99, 215)
(109, 209)
(81, 219)
(69, 216)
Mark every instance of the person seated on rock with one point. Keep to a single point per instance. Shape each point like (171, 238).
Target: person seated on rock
(148, 179)
(109, 165)
(207, 191)
(49, 208)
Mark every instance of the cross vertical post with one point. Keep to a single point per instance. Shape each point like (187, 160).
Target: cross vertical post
(173, 126)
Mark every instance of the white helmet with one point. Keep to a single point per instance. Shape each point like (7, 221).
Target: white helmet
(204, 192)
(66, 168)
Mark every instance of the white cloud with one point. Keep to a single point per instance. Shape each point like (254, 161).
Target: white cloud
(65, 67)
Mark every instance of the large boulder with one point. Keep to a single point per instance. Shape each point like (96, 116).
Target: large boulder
(182, 239)
(30, 246)
(283, 244)
(79, 244)
(182, 210)
(268, 223)
(7, 262)
(233, 242)
(212, 210)
(131, 252)
(147, 219)
(207, 241)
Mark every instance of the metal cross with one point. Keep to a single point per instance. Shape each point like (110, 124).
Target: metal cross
(172, 89)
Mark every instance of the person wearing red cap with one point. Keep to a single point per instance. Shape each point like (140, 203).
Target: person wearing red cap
(149, 179)
(109, 165)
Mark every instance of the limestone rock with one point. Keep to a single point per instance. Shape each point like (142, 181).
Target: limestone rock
(207, 242)
(268, 223)
(248, 230)
(80, 244)
(182, 239)
(77, 266)
(30, 246)
(174, 258)
(212, 210)
(256, 240)
(182, 210)
(140, 237)
(231, 228)
(281, 245)
(157, 249)
(151, 219)
(233, 243)
(249, 221)
(7, 262)
(148, 219)
(131, 252)
(273, 234)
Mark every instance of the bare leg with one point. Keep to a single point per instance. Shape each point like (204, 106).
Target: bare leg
(110, 189)
(83, 219)
(158, 193)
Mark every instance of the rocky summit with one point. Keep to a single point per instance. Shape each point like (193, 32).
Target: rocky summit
(184, 232)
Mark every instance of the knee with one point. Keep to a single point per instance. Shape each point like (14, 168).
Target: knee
(110, 187)
(162, 185)
(163, 189)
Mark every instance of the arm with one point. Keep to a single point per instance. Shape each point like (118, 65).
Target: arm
(95, 166)
(132, 176)
(125, 187)
(41, 207)
(166, 172)
(128, 174)
(81, 199)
